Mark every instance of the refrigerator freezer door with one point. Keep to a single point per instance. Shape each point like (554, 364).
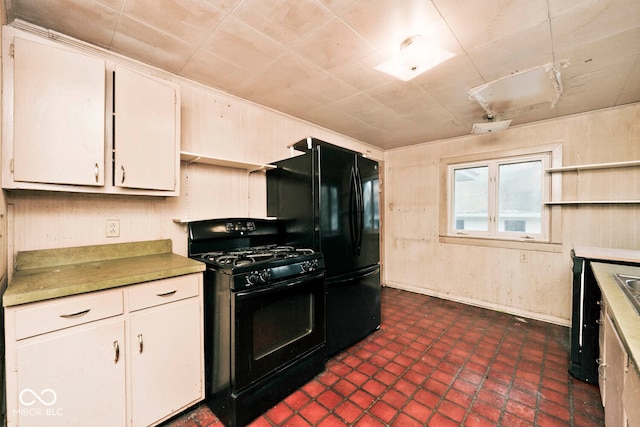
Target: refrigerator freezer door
(353, 307)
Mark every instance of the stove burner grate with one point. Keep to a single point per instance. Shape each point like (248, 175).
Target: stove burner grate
(246, 256)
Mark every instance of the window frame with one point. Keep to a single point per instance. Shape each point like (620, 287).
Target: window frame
(547, 239)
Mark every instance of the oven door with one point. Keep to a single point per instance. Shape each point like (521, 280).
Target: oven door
(276, 325)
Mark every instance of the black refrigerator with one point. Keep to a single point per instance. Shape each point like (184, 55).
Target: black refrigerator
(328, 199)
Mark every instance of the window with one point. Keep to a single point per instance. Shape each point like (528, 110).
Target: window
(500, 198)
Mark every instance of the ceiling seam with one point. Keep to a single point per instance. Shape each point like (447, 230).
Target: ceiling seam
(626, 81)
(465, 52)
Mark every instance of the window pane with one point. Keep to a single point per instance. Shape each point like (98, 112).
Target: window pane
(520, 197)
(471, 199)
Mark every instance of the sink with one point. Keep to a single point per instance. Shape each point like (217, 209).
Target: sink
(630, 285)
(633, 284)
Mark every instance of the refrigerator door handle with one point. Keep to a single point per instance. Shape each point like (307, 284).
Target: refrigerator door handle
(353, 210)
(360, 211)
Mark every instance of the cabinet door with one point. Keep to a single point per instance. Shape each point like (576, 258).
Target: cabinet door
(166, 360)
(602, 330)
(145, 132)
(73, 379)
(59, 114)
(615, 366)
(630, 396)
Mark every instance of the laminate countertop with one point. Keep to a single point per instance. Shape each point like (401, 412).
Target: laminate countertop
(52, 273)
(625, 318)
(608, 254)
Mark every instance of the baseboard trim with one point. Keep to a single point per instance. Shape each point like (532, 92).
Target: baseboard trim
(482, 304)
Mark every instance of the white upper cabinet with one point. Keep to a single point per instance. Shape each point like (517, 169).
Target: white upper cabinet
(80, 123)
(145, 132)
(59, 102)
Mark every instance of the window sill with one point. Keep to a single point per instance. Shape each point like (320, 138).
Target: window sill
(502, 243)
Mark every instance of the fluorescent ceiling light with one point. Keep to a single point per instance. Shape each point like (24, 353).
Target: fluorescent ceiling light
(416, 55)
(490, 127)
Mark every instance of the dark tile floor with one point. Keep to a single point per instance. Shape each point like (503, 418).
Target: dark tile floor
(440, 363)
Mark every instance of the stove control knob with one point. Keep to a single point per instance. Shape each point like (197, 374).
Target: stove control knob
(252, 278)
(258, 277)
(264, 275)
(309, 266)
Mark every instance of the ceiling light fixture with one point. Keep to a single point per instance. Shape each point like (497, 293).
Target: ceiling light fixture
(491, 125)
(415, 56)
(518, 92)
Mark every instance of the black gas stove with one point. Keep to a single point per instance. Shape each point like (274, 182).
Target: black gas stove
(265, 315)
(261, 265)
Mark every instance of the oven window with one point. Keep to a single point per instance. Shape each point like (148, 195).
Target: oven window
(282, 322)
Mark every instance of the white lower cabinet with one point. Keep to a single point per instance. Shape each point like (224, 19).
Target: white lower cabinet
(612, 372)
(165, 360)
(71, 378)
(126, 357)
(630, 395)
(619, 378)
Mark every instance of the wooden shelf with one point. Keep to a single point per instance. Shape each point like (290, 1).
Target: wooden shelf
(215, 161)
(614, 165)
(595, 166)
(184, 220)
(594, 202)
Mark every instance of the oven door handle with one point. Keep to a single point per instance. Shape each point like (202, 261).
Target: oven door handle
(281, 286)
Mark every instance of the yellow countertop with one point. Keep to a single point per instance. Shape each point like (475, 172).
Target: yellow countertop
(624, 316)
(53, 273)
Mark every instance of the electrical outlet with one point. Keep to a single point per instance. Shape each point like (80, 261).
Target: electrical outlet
(524, 257)
(113, 228)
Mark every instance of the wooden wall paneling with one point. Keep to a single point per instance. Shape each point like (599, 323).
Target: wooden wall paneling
(221, 125)
(215, 192)
(381, 181)
(495, 277)
(257, 195)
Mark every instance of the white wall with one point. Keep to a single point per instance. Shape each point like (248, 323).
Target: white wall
(418, 259)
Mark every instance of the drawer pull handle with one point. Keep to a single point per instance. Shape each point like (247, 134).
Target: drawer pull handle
(77, 314)
(140, 344)
(123, 174)
(116, 347)
(97, 172)
(167, 294)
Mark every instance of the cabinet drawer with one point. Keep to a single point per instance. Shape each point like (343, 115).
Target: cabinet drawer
(163, 291)
(47, 316)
